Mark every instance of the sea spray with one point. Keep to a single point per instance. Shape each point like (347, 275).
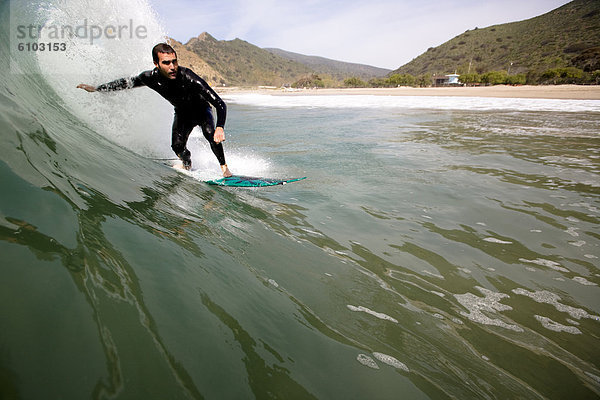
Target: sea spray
(137, 119)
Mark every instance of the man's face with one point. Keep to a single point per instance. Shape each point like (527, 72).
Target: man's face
(167, 65)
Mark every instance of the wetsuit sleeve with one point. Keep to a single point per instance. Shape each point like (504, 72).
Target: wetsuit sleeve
(209, 95)
(124, 83)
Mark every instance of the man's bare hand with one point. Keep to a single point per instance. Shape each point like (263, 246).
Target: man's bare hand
(219, 135)
(85, 87)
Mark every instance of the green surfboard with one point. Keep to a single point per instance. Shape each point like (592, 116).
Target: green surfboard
(249, 181)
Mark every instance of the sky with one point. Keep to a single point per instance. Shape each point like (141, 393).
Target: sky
(382, 33)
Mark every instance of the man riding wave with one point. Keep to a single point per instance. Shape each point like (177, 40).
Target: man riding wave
(191, 97)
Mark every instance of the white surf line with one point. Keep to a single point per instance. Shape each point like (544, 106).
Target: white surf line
(371, 312)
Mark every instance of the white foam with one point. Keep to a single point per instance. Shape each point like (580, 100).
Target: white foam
(314, 233)
(367, 361)
(544, 296)
(555, 326)
(371, 312)
(596, 378)
(206, 167)
(498, 241)
(138, 119)
(587, 206)
(412, 102)
(490, 303)
(572, 231)
(546, 263)
(433, 274)
(583, 281)
(391, 361)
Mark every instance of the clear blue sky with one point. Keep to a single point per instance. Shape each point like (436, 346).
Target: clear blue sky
(383, 33)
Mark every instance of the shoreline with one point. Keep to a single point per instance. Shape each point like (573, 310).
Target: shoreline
(561, 92)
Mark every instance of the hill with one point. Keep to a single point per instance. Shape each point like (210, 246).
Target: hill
(191, 60)
(337, 69)
(242, 63)
(568, 36)
(237, 62)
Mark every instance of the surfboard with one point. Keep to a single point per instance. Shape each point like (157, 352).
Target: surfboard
(235, 180)
(250, 181)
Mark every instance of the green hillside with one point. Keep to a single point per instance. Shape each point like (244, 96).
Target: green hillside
(568, 36)
(337, 69)
(242, 63)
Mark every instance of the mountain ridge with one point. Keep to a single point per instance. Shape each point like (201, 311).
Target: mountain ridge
(242, 63)
(238, 62)
(563, 41)
(335, 68)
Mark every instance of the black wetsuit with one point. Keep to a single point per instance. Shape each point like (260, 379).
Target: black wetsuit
(191, 96)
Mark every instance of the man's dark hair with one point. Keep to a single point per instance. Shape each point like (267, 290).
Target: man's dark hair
(161, 48)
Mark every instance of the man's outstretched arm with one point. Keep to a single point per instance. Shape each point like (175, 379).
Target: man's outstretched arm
(119, 84)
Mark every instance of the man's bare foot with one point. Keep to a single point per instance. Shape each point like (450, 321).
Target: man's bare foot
(226, 172)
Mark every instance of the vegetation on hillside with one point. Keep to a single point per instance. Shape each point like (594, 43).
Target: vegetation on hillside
(553, 76)
(560, 46)
(337, 70)
(242, 63)
(198, 65)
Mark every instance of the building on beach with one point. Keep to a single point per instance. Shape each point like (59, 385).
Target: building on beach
(446, 80)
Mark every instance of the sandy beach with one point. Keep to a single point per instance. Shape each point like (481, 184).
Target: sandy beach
(567, 92)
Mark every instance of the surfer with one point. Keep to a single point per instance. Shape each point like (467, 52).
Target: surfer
(190, 95)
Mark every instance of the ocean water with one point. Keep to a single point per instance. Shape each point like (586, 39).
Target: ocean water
(439, 248)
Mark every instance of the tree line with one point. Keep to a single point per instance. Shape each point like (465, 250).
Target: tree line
(554, 76)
